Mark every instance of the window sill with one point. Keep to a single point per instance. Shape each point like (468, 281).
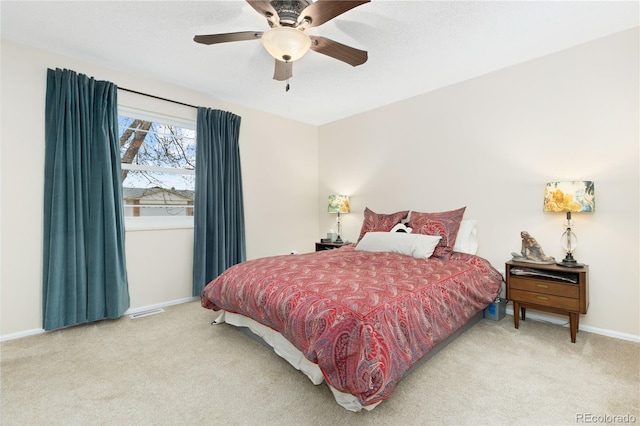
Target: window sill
(157, 223)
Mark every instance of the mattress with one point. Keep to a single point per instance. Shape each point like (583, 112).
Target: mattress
(363, 318)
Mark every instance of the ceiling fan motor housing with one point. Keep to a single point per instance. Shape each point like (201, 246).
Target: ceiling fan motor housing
(289, 10)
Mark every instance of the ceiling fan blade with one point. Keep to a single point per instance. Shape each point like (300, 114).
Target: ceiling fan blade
(264, 8)
(283, 70)
(322, 11)
(226, 37)
(350, 55)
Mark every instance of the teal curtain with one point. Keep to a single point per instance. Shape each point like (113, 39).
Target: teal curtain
(219, 234)
(84, 272)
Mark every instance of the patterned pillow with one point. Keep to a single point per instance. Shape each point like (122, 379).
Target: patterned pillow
(374, 222)
(444, 224)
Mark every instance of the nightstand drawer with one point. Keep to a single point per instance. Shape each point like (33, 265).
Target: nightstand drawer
(546, 287)
(545, 300)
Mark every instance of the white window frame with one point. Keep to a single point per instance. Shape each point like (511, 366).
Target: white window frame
(148, 223)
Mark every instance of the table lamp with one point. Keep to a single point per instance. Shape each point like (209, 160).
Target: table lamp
(569, 197)
(339, 204)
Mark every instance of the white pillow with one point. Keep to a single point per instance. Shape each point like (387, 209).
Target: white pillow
(467, 238)
(414, 245)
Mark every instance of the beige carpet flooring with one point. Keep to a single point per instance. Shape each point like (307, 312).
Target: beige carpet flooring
(174, 368)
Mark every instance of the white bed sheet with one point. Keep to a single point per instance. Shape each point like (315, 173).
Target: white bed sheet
(292, 355)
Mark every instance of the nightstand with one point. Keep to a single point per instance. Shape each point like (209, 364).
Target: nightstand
(549, 288)
(330, 246)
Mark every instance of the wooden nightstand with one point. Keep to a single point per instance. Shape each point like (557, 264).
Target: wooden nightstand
(550, 288)
(329, 246)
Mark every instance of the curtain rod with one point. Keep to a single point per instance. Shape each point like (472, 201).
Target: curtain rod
(156, 97)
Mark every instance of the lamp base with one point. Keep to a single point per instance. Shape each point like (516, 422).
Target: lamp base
(570, 262)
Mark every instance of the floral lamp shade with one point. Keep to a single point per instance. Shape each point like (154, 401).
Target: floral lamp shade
(339, 204)
(570, 196)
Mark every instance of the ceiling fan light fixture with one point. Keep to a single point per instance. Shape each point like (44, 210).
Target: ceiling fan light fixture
(286, 44)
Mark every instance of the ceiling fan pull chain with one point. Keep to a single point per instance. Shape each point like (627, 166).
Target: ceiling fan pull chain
(287, 86)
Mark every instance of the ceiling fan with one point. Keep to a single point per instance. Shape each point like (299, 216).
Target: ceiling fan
(286, 40)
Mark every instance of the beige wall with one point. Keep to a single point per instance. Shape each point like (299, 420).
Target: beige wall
(489, 143)
(492, 143)
(279, 164)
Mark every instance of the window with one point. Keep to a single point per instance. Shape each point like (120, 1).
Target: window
(158, 159)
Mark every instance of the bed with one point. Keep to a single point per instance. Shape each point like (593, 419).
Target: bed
(362, 316)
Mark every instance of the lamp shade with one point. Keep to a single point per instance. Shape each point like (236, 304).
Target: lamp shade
(285, 43)
(339, 204)
(570, 196)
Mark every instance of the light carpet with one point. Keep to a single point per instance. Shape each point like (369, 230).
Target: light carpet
(175, 368)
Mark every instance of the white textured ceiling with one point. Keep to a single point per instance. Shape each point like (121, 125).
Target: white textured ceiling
(414, 46)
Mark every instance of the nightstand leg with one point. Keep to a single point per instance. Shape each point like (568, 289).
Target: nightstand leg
(516, 314)
(573, 325)
(523, 311)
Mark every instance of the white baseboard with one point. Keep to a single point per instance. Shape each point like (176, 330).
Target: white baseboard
(21, 334)
(35, 331)
(564, 321)
(159, 305)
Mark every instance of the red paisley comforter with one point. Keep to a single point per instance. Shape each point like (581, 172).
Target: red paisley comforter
(365, 318)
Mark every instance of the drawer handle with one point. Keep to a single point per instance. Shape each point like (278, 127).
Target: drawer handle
(542, 285)
(542, 298)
